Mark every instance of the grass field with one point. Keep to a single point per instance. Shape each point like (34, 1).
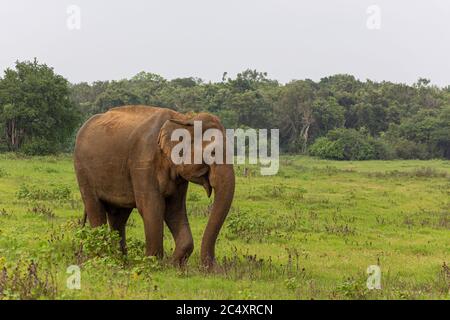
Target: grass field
(308, 233)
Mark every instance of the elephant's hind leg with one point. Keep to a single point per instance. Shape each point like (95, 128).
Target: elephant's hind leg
(117, 219)
(94, 209)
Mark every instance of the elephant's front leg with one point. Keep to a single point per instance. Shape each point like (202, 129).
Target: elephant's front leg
(152, 207)
(177, 221)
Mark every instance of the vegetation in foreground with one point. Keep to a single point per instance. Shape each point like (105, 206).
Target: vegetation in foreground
(308, 233)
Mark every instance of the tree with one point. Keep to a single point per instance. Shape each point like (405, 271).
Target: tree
(440, 135)
(328, 115)
(295, 111)
(250, 80)
(406, 121)
(35, 106)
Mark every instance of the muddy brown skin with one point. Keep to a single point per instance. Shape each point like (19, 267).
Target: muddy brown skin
(122, 161)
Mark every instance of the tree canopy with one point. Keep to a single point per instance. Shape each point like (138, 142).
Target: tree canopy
(384, 119)
(36, 111)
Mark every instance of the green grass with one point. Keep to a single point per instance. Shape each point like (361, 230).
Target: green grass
(308, 233)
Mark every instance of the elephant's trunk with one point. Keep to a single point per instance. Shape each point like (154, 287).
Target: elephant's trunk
(222, 181)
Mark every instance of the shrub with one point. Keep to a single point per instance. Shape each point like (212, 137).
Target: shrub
(383, 150)
(353, 288)
(243, 225)
(324, 148)
(39, 147)
(99, 242)
(345, 144)
(36, 193)
(406, 149)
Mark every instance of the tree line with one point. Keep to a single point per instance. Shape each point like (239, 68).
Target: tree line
(338, 117)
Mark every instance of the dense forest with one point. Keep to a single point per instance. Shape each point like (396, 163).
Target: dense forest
(338, 117)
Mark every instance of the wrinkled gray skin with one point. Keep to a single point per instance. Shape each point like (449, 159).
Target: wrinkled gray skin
(122, 161)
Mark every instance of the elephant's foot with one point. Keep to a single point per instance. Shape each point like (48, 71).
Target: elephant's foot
(213, 268)
(210, 265)
(182, 253)
(179, 262)
(123, 248)
(158, 253)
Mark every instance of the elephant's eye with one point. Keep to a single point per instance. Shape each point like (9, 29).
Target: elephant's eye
(213, 153)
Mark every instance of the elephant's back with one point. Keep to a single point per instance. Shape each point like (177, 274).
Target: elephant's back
(123, 118)
(116, 124)
(109, 135)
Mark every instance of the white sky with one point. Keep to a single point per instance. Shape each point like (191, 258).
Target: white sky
(289, 39)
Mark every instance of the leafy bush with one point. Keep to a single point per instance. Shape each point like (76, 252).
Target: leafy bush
(353, 288)
(99, 242)
(243, 225)
(345, 144)
(36, 193)
(39, 147)
(383, 150)
(327, 149)
(406, 149)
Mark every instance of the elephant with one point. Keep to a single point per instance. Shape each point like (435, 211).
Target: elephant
(122, 161)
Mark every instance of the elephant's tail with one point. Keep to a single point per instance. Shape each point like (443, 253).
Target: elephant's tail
(83, 223)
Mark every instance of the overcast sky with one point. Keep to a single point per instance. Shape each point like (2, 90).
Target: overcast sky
(289, 39)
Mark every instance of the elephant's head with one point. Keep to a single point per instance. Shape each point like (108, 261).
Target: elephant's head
(214, 176)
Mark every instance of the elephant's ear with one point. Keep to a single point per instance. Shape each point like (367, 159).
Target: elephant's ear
(166, 130)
